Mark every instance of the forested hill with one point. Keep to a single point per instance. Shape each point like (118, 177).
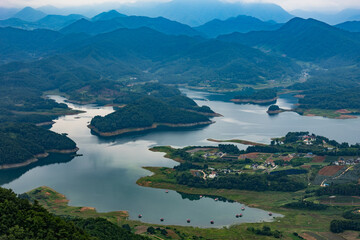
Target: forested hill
(22, 220)
(332, 89)
(307, 40)
(143, 114)
(22, 142)
(160, 24)
(241, 23)
(124, 54)
(351, 26)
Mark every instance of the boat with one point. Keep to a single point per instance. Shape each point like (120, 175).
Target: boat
(216, 199)
(243, 208)
(237, 215)
(161, 219)
(212, 221)
(140, 216)
(240, 215)
(188, 221)
(166, 191)
(201, 196)
(270, 214)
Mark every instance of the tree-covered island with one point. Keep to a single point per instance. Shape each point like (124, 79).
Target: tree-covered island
(150, 106)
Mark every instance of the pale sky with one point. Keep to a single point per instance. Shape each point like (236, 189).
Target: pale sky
(289, 5)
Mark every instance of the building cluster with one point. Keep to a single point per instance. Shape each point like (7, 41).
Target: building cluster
(308, 139)
(350, 161)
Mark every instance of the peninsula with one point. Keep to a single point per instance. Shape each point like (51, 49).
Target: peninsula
(22, 144)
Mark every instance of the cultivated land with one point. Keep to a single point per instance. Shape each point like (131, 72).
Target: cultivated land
(310, 223)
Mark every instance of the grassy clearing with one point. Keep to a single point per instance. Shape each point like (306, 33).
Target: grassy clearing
(57, 203)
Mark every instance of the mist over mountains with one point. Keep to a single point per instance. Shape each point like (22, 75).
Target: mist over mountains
(193, 13)
(75, 52)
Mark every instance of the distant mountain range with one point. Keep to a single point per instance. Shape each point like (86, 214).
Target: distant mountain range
(29, 14)
(142, 53)
(306, 40)
(242, 24)
(195, 13)
(110, 21)
(351, 26)
(330, 18)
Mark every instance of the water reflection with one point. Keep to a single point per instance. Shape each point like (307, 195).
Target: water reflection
(105, 176)
(9, 175)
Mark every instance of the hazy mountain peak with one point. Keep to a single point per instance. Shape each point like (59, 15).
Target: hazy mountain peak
(107, 16)
(29, 14)
(196, 13)
(297, 22)
(241, 23)
(351, 26)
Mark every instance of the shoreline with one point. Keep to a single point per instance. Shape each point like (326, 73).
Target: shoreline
(37, 157)
(244, 142)
(253, 101)
(45, 124)
(153, 126)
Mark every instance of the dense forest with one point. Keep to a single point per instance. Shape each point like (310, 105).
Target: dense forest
(332, 89)
(101, 229)
(22, 220)
(340, 189)
(144, 113)
(21, 142)
(253, 182)
(306, 205)
(339, 226)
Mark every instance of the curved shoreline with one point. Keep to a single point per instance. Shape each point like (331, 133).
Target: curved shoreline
(37, 157)
(154, 126)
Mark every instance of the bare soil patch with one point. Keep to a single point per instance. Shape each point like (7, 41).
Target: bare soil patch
(330, 170)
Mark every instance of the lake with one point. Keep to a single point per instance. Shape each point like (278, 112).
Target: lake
(105, 176)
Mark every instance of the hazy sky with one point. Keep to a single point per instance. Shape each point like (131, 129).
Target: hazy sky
(287, 4)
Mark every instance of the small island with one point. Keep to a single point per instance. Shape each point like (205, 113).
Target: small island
(250, 95)
(275, 109)
(149, 113)
(22, 144)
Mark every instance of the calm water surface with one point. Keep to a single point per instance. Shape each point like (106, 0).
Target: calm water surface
(105, 176)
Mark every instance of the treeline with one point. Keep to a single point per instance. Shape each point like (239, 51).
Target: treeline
(20, 142)
(306, 205)
(253, 182)
(101, 229)
(340, 189)
(293, 137)
(229, 148)
(22, 220)
(352, 215)
(144, 113)
(339, 226)
(265, 231)
(343, 150)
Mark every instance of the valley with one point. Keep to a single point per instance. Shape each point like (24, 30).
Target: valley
(153, 122)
